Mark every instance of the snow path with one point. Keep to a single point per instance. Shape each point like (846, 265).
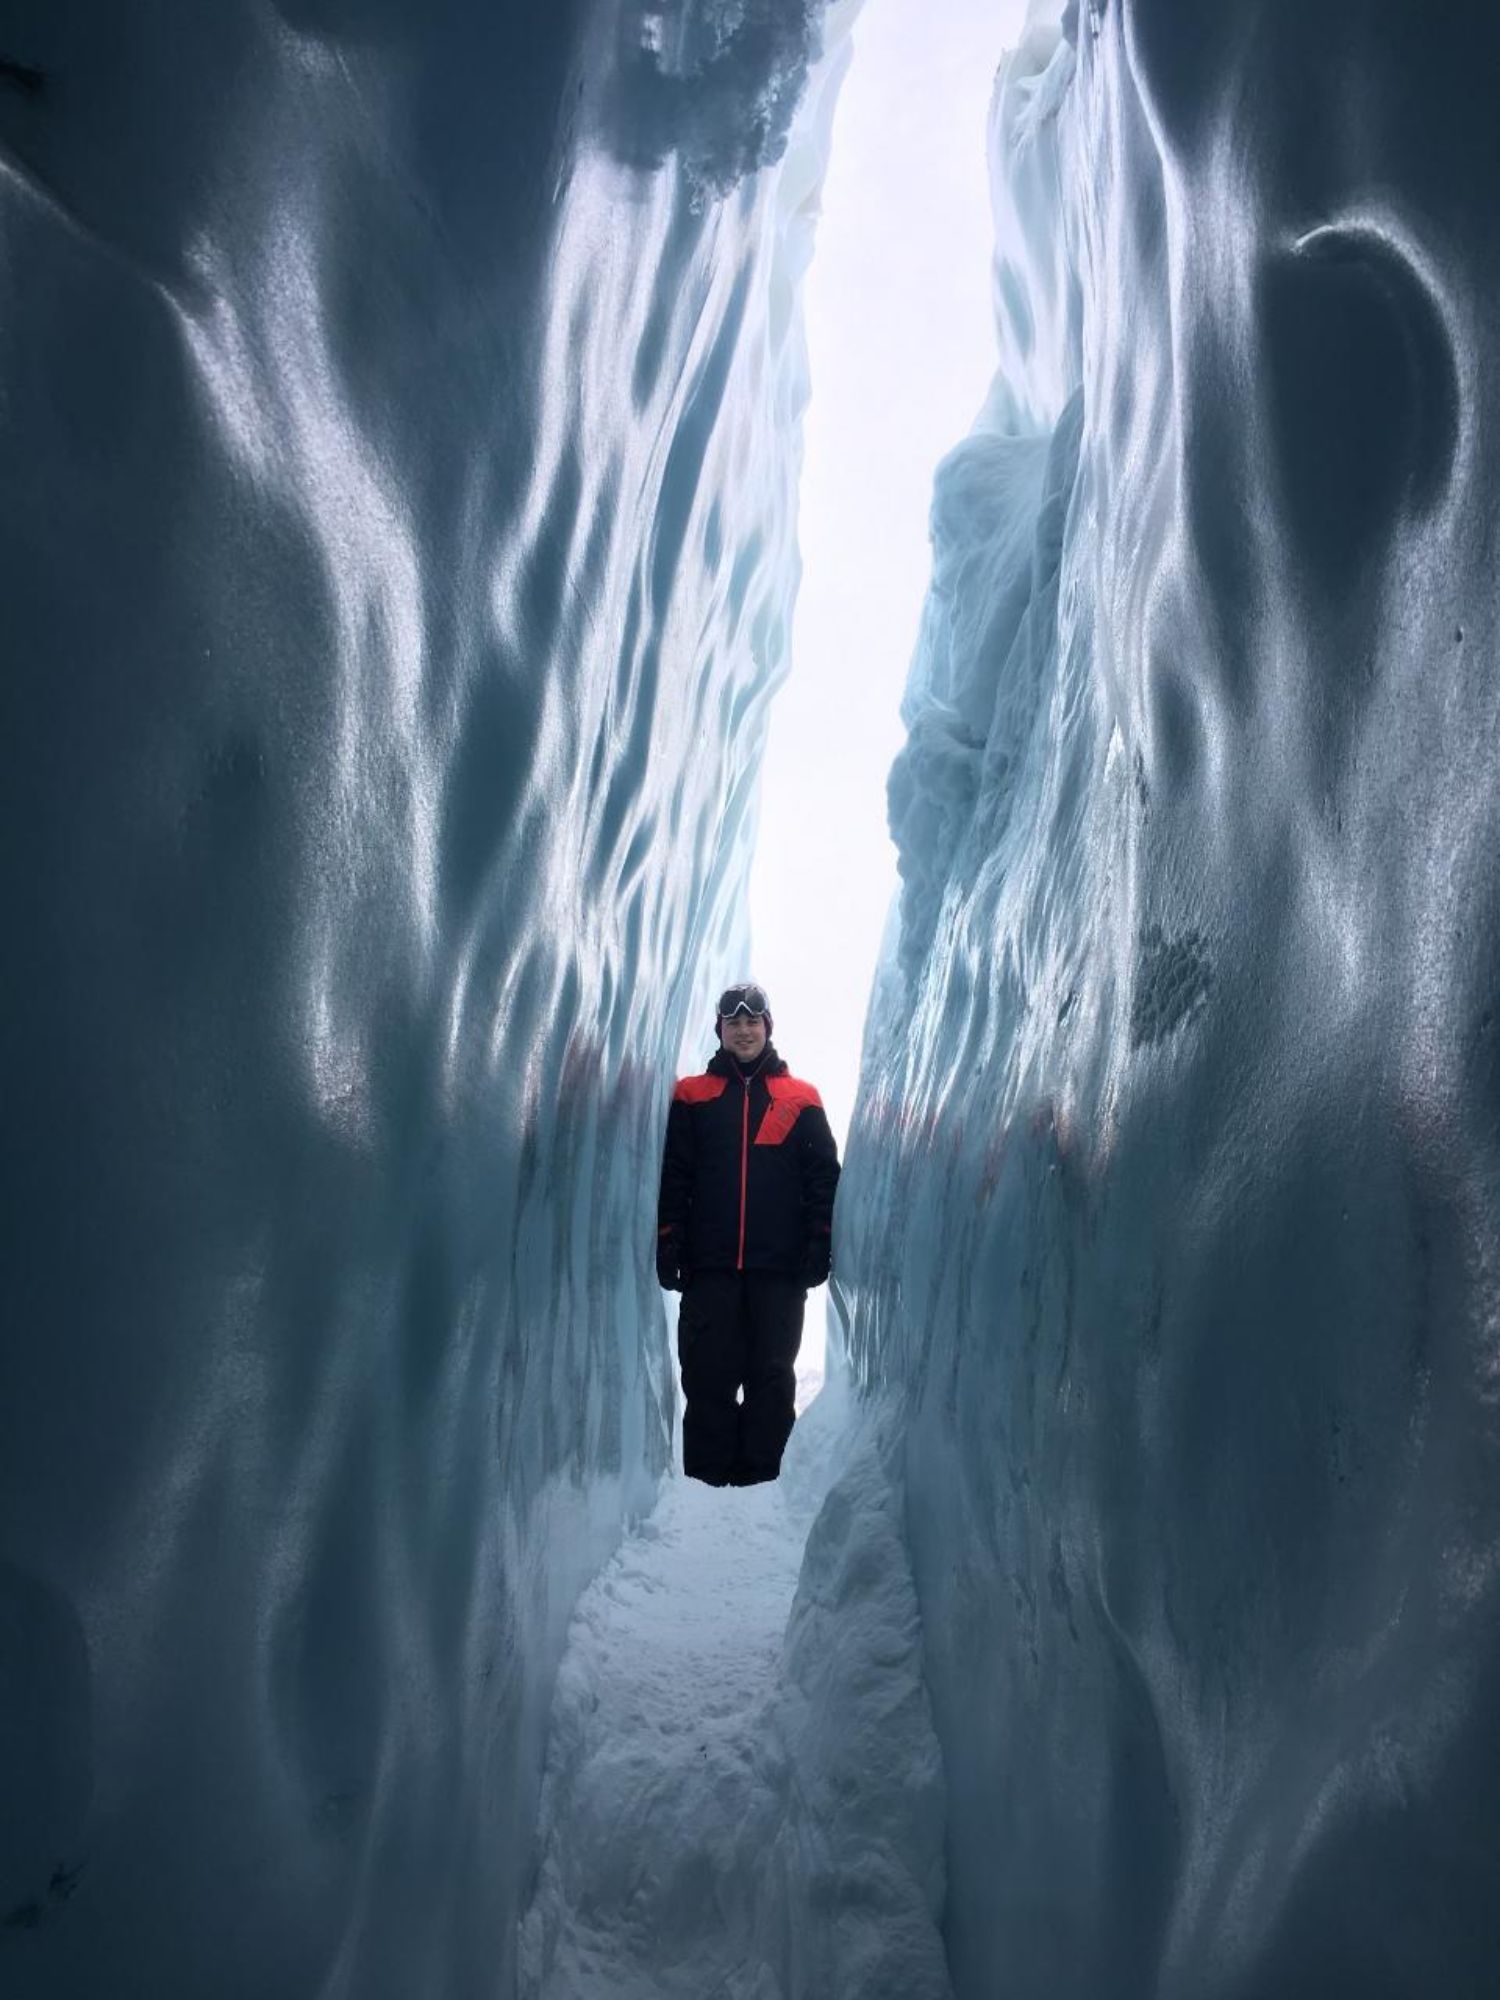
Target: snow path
(743, 1794)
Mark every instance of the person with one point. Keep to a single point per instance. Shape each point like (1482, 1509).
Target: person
(744, 1227)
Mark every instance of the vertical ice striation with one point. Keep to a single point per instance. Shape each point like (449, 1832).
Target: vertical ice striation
(1172, 1209)
(397, 540)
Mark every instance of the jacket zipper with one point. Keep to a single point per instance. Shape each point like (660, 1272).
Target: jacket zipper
(744, 1166)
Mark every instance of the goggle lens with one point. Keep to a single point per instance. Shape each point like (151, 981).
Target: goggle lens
(743, 1000)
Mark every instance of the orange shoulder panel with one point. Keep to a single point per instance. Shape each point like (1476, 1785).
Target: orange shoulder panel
(698, 1090)
(792, 1090)
(790, 1097)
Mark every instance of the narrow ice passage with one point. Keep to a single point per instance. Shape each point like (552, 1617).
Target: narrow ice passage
(655, 1766)
(735, 1807)
(400, 532)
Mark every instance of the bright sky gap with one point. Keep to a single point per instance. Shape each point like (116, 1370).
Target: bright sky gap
(901, 352)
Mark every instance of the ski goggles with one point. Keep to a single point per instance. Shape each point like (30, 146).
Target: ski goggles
(743, 1000)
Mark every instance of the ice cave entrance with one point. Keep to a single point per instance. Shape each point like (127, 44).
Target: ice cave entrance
(901, 350)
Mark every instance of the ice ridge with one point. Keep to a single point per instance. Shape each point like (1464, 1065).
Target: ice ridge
(397, 521)
(1171, 1202)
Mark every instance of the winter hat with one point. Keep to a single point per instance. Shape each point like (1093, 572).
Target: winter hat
(746, 998)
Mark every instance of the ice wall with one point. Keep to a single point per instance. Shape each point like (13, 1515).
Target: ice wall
(399, 409)
(1171, 1205)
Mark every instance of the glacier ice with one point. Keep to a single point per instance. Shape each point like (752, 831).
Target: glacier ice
(716, 86)
(398, 551)
(400, 411)
(1170, 1211)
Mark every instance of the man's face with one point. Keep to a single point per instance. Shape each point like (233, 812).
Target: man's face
(744, 1035)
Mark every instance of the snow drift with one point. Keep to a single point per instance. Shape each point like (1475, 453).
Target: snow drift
(744, 1793)
(1171, 1205)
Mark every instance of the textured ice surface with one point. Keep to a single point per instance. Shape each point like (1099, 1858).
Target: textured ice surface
(715, 82)
(398, 408)
(397, 550)
(1172, 1199)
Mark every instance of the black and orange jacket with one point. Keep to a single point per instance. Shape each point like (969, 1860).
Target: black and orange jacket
(749, 1170)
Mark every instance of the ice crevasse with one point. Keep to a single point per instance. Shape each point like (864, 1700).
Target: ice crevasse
(398, 524)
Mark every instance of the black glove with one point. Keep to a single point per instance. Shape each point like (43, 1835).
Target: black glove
(816, 1259)
(669, 1272)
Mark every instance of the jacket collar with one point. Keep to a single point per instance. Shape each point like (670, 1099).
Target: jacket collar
(722, 1063)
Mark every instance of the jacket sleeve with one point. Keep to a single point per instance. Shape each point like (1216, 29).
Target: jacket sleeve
(820, 1172)
(676, 1175)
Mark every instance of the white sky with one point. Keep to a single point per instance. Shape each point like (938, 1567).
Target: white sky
(901, 347)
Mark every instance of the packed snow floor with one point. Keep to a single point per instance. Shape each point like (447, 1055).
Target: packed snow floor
(743, 1794)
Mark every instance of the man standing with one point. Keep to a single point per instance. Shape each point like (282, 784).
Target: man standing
(743, 1228)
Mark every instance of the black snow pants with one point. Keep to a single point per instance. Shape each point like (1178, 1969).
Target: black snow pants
(738, 1330)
